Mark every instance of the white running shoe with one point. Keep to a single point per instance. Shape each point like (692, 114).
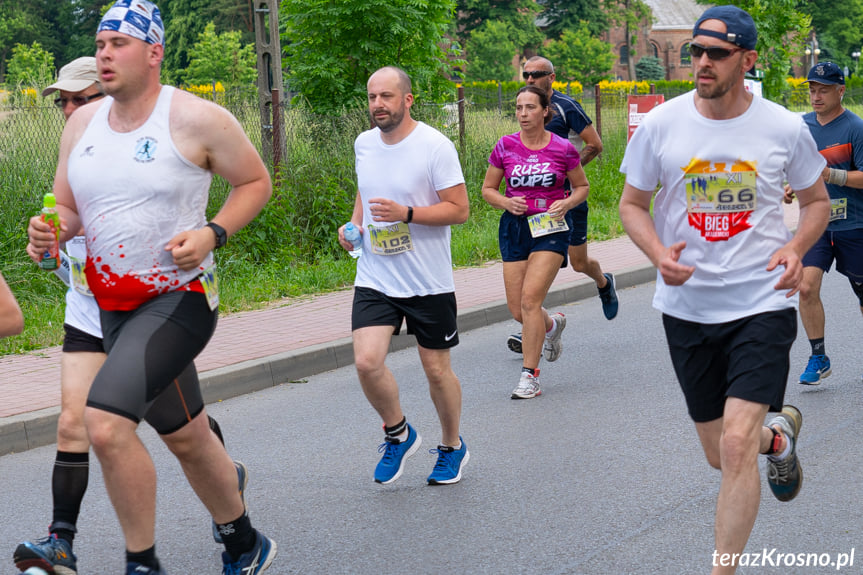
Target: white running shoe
(553, 346)
(528, 386)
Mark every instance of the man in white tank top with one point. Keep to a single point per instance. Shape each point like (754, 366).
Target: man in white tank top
(156, 148)
(82, 356)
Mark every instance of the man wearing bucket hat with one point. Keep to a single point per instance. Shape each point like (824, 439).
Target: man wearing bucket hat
(728, 268)
(77, 84)
(135, 172)
(839, 135)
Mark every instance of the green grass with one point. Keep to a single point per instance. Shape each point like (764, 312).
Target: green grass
(291, 249)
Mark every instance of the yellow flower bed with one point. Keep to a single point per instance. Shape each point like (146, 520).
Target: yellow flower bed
(206, 90)
(575, 88)
(623, 88)
(799, 91)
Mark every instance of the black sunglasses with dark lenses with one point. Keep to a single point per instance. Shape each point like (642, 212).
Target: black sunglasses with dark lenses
(77, 100)
(713, 52)
(535, 74)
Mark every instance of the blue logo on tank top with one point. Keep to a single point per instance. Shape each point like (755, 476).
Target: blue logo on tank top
(145, 149)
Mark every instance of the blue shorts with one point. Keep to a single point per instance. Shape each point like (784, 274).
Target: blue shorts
(846, 247)
(577, 220)
(516, 243)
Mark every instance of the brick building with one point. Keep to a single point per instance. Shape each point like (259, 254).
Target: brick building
(667, 38)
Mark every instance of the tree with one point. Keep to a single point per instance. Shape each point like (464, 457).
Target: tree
(519, 14)
(560, 15)
(184, 22)
(18, 25)
(782, 29)
(838, 27)
(490, 51)
(221, 58)
(578, 56)
(30, 66)
(649, 68)
(234, 15)
(631, 14)
(333, 47)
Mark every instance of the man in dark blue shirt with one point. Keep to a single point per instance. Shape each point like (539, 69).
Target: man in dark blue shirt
(839, 135)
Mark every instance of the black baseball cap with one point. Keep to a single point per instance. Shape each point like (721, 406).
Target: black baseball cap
(739, 26)
(826, 73)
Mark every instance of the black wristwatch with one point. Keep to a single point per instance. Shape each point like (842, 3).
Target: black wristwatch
(221, 234)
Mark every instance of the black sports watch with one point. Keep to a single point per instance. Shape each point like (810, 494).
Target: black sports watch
(221, 234)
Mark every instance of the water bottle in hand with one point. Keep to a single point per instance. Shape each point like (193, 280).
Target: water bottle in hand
(354, 236)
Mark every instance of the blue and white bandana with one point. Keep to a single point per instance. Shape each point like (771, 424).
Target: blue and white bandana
(139, 19)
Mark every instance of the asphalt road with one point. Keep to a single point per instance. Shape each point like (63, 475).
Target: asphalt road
(602, 474)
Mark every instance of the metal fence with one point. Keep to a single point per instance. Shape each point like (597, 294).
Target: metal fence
(30, 127)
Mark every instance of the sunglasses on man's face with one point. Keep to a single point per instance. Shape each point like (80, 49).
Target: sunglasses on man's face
(77, 100)
(535, 74)
(713, 52)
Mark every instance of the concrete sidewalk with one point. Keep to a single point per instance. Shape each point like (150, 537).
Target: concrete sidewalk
(296, 339)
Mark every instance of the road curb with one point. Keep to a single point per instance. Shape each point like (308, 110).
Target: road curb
(38, 428)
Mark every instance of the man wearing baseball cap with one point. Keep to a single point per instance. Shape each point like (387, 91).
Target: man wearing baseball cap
(728, 268)
(839, 135)
(135, 173)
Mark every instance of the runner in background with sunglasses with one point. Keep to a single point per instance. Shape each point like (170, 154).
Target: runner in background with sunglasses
(569, 121)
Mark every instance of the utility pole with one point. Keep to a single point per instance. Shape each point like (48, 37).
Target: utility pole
(269, 54)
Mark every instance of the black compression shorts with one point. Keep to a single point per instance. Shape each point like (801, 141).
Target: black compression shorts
(149, 372)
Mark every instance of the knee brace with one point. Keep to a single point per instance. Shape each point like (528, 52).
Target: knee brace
(858, 290)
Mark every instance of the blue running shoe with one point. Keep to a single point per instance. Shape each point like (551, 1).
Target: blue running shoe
(138, 569)
(513, 342)
(785, 476)
(395, 452)
(450, 462)
(817, 369)
(51, 554)
(251, 562)
(608, 298)
(243, 477)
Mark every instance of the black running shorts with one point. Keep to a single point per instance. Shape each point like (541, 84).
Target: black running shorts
(149, 372)
(431, 318)
(746, 358)
(75, 340)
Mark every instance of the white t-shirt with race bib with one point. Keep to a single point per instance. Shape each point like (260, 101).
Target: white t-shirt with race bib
(721, 192)
(411, 173)
(82, 311)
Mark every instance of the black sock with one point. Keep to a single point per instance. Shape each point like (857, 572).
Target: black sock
(607, 285)
(397, 429)
(68, 485)
(817, 346)
(238, 536)
(147, 558)
(529, 370)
